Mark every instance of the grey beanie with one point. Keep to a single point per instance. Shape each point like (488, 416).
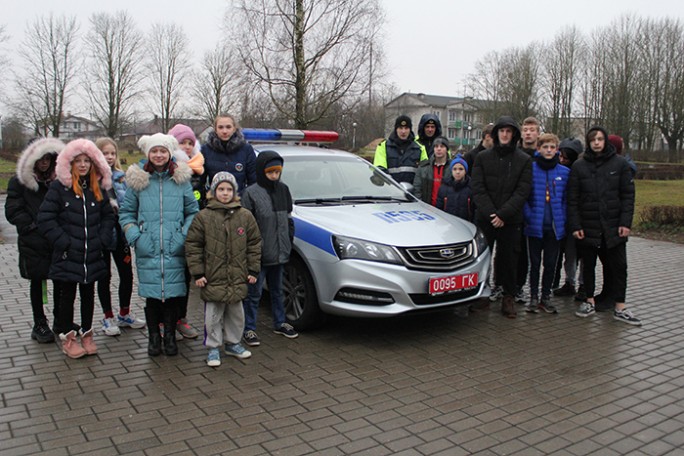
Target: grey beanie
(223, 176)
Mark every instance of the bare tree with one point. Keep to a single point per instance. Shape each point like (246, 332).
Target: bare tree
(3, 57)
(48, 53)
(168, 51)
(215, 86)
(114, 58)
(308, 55)
(559, 79)
(486, 83)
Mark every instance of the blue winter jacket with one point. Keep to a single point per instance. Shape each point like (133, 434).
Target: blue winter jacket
(155, 217)
(557, 178)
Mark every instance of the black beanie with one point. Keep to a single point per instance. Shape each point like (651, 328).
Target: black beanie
(403, 121)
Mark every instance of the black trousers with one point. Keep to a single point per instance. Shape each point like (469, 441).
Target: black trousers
(64, 321)
(614, 261)
(508, 240)
(124, 266)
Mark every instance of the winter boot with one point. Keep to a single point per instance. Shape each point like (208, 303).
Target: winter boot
(88, 342)
(170, 317)
(154, 336)
(508, 306)
(42, 333)
(70, 345)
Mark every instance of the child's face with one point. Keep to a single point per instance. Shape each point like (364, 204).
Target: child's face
(224, 192)
(109, 152)
(273, 175)
(43, 163)
(440, 151)
(225, 127)
(564, 160)
(82, 164)
(458, 171)
(548, 150)
(187, 146)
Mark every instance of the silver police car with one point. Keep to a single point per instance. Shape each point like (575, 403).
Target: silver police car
(364, 246)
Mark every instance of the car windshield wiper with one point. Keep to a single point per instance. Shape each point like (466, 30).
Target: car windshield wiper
(336, 200)
(373, 198)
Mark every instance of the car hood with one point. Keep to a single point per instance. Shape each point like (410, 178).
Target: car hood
(399, 224)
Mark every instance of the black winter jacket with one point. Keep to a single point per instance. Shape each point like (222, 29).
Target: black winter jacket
(600, 197)
(78, 229)
(456, 198)
(21, 210)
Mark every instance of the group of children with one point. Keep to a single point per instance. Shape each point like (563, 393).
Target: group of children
(75, 209)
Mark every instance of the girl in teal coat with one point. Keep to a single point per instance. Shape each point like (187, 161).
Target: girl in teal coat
(156, 214)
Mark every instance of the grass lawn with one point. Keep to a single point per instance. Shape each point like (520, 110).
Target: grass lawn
(658, 193)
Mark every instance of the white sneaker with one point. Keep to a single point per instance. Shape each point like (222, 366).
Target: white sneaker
(130, 321)
(110, 328)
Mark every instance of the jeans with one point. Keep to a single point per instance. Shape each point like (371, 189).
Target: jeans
(274, 279)
(549, 247)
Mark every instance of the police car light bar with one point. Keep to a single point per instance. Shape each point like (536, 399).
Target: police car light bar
(268, 135)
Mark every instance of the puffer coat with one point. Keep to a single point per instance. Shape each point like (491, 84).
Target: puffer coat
(25, 194)
(223, 245)
(600, 197)
(556, 180)
(155, 216)
(78, 227)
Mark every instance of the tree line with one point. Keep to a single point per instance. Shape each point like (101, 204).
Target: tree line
(627, 76)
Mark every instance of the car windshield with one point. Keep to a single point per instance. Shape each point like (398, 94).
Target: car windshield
(338, 180)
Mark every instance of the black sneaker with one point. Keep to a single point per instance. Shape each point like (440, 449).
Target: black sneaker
(250, 337)
(42, 333)
(286, 330)
(581, 295)
(626, 316)
(546, 306)
(520, 296)
(565, 290)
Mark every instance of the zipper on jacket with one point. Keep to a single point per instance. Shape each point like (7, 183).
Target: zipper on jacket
(85, 250)
(161, 232)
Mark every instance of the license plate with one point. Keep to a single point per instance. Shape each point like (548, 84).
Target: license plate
(439, 285)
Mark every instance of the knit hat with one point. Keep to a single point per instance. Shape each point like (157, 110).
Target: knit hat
(441, 140)
(458, 160)
(572, 145)
(182, 132)
(403, 121)
(273, 165)
(617, 142)
(147, 142)
(223, 176)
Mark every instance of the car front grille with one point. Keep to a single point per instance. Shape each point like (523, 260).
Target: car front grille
(438, 258)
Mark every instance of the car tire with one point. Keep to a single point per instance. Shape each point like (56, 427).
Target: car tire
(301, 302)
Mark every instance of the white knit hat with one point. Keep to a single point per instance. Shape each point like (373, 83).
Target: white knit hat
(147, 142)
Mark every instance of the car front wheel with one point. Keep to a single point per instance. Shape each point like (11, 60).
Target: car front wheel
(301, 302)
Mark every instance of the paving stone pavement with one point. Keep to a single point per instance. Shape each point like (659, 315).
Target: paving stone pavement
(435, 384)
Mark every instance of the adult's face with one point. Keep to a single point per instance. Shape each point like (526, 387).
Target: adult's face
(530, 134)
(430, 130)
(403, 132)
(440, 151)
(505, 135)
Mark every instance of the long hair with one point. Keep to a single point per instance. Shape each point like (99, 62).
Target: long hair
(105, 140)
(94, 184)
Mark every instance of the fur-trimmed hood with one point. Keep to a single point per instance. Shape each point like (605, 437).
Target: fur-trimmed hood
(76, 148)
(138, 179)
(29, 157)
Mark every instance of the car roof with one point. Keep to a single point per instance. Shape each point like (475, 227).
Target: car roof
(297, 150)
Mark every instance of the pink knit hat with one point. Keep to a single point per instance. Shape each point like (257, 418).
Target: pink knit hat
(182, 132)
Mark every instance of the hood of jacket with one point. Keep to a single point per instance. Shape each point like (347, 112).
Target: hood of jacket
(423, 120)
(506, 121)
(262, 159)
(97, 159)
(138, 179)
(33, 153)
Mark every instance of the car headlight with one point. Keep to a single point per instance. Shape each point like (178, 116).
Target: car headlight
(350, 248)
(480, 243)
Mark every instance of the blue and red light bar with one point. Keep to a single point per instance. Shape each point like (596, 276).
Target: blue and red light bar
(305, 136)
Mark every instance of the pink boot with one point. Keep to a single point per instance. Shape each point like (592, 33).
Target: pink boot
(88, 342)
(70, 345)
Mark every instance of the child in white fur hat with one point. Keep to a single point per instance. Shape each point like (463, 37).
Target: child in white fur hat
(223, 252)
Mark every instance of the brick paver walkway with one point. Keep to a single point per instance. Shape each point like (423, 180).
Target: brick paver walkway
(429, 384)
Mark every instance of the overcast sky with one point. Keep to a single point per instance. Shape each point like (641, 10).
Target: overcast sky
(430, 46)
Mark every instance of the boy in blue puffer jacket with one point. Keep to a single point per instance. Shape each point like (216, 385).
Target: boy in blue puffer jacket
(545, 212)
